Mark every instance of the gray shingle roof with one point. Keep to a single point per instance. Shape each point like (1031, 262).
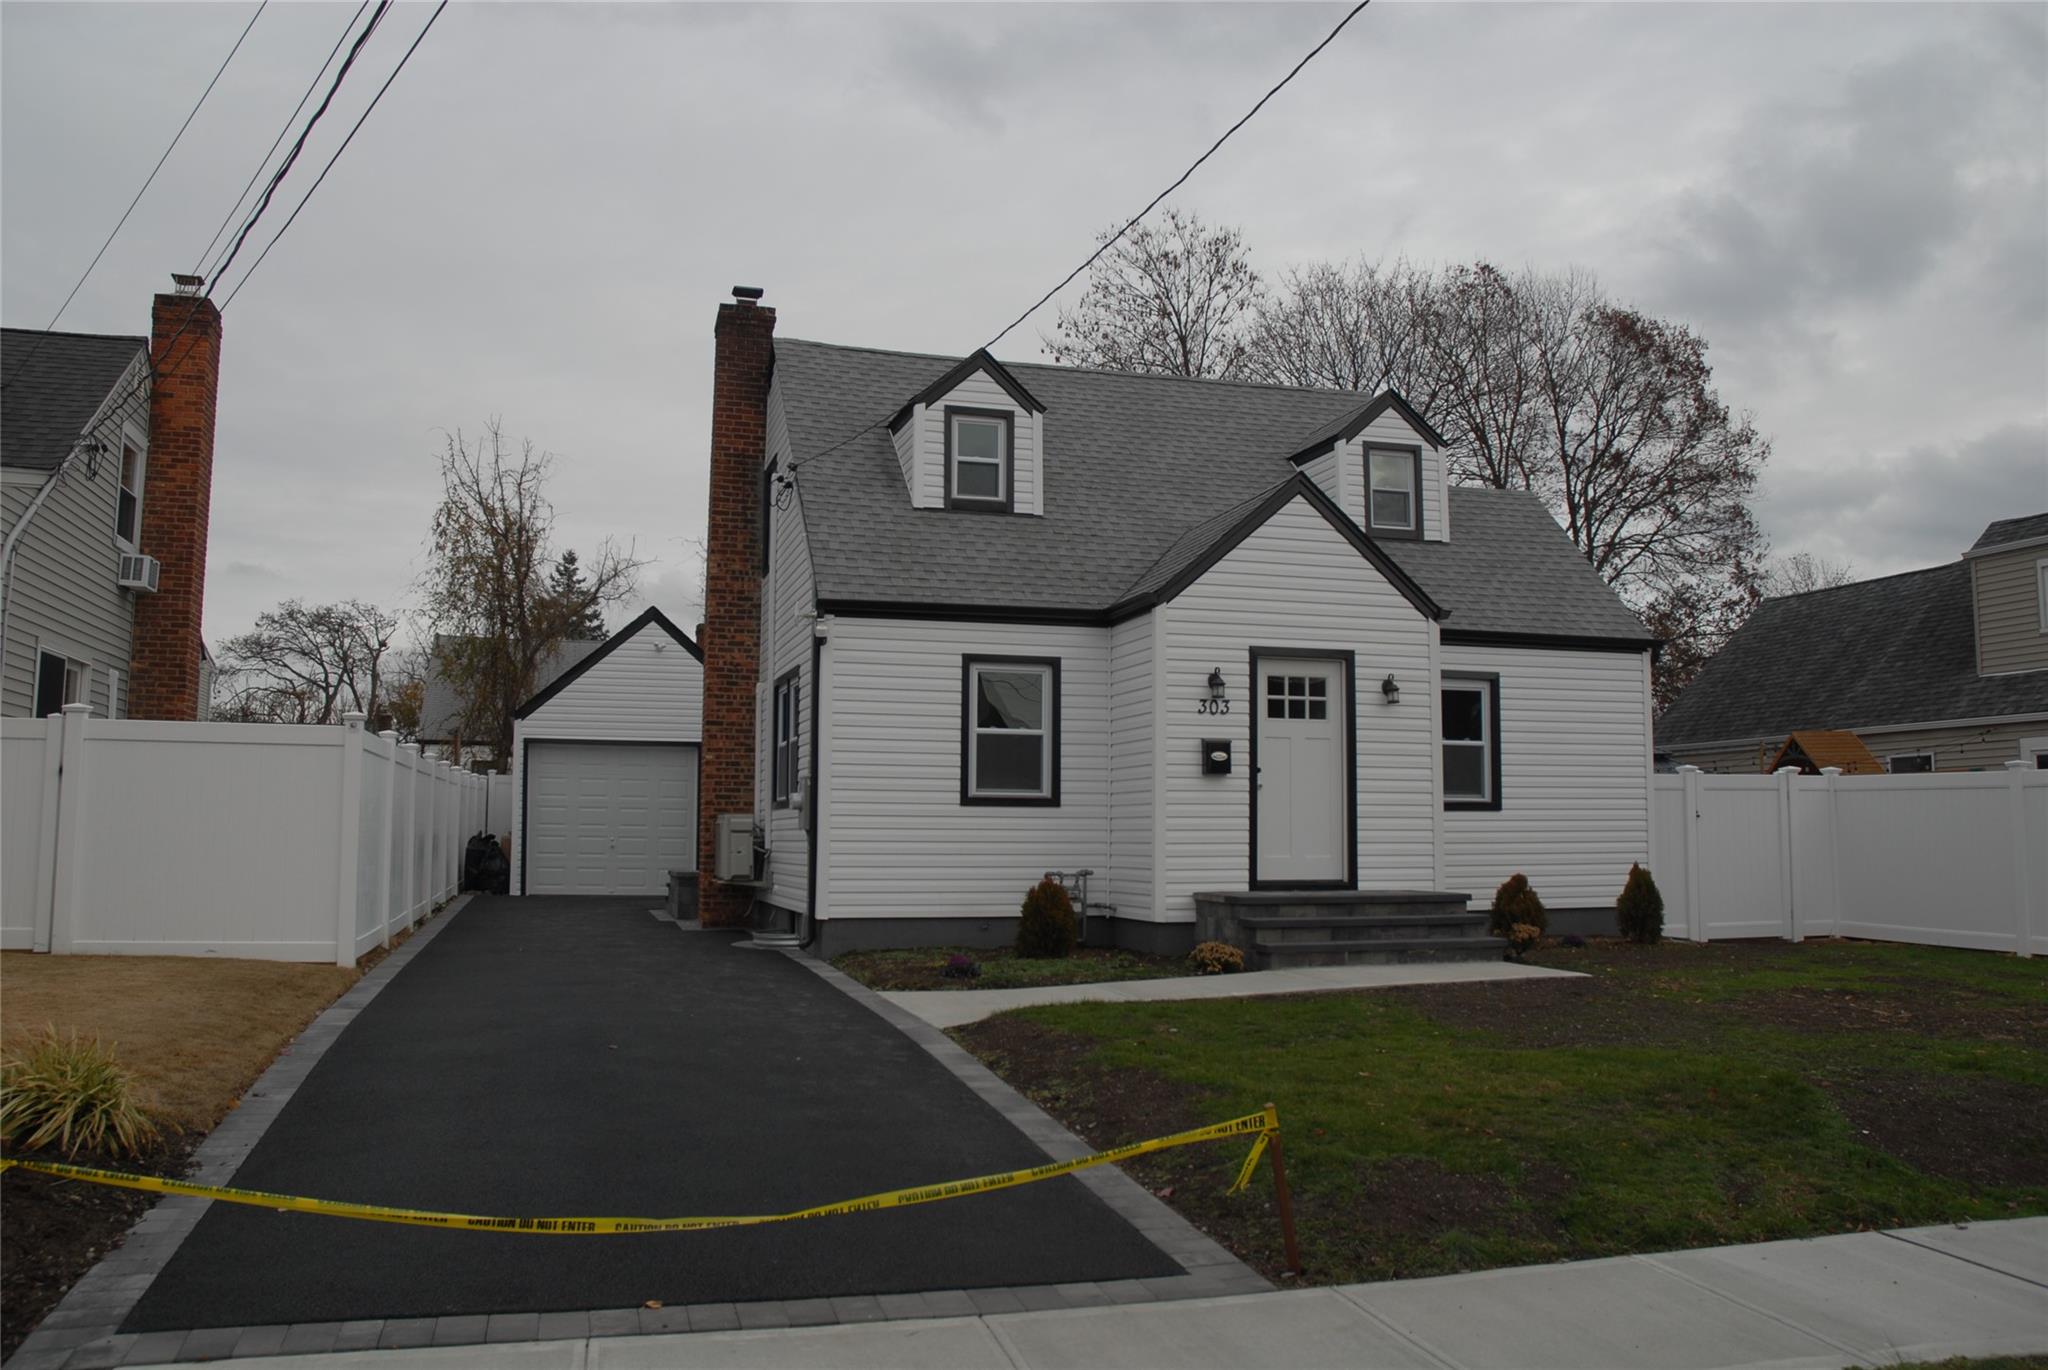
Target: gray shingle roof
(63, 380)
(2023, 529)
(1139, 471)
(1901, 649)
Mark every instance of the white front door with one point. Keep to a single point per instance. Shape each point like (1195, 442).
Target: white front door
(1304, 752)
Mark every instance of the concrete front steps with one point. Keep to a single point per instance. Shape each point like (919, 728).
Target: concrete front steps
(1282, 929)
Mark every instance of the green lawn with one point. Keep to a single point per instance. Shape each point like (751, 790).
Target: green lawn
(1001, 968)
(1679, 1096)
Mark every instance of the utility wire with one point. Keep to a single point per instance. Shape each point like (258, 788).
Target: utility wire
(424, 30)
(1133, 222)
(284, 167)
(286, 127)
(147, 182)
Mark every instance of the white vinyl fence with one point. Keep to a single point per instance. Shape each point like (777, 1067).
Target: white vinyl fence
(278, 842)
(1952, 860)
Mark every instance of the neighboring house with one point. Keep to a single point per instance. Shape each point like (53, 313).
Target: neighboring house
(106, 477)
(441, 704)
(605, 767)
(1944, 669)
(968, 623)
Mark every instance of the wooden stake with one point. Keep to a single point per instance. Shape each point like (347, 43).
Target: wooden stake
(1280, 1194)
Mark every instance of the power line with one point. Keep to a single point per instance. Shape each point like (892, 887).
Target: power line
(1182, 179)
(290, 158)
(147, 182)
(424, 30)
(1114, 238)
(285, 128)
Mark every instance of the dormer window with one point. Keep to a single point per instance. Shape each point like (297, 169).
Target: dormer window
(978, 448)
(1394, 499)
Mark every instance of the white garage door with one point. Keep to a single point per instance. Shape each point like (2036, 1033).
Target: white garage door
(606, 818)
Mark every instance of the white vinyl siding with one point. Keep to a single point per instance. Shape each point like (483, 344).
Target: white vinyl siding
(788, 605)
(649, 688)
(898, 841)
(1574, 787)
(1131, 757)
(906, 441)
(1295, 584)
(1327, 471)
(1350, 488)
(62, 583)
(978, 391)
(2010, 631)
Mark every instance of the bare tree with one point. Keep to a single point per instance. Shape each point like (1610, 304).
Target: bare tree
(1802, 572)
(1180, 299)
(488, 587)
(308, 664)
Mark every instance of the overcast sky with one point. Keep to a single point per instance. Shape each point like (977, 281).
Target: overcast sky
(1850, 202)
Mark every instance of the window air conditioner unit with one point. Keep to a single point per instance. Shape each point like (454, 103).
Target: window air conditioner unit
(733, 855)
(139, 572)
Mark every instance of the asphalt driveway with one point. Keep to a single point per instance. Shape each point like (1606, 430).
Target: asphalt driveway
(547, 1057)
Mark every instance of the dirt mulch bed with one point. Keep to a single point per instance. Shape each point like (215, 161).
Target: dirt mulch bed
(1928, 1008)
(1555, 1013)
(55, 1230)
(1980, 1131)
(1001, 968)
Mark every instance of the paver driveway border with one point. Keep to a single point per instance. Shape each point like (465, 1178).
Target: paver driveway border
(82, 1332)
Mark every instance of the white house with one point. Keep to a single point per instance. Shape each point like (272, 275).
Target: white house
(1200, 638)
(604, 776)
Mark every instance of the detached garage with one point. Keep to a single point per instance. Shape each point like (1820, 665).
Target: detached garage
(605, 768)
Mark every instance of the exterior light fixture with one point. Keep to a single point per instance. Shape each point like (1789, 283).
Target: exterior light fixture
(1217, 688)
(1390, 690)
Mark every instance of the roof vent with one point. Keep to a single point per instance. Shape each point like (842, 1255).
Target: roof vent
(747, 294)
(187, 285)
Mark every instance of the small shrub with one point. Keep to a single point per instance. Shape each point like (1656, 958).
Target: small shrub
(70, 1093)
(959, 967)
(1216, 958)
(1047, 929)
(1639, 912)
(1521, 937)
(1514, 902)
(1572, 940)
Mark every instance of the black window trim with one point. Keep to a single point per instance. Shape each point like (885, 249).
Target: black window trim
(1414, 454)
(1008, 503)
(1490, 679)
(1051, 798)
(1892, 757)
(783, 756)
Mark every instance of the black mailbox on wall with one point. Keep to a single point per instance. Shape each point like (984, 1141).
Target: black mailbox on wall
(1215, 756)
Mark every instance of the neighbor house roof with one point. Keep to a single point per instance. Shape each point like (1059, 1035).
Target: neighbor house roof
(1140, 472)
(441, 709)
(1898, 650)
(55, 383)
(2005, 532)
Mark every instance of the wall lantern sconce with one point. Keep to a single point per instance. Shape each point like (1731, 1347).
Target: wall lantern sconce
(1217, 689)
(1390, 690)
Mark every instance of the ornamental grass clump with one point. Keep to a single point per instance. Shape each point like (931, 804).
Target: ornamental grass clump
(1216, 958)
(1639, 912)
(1047, 929)
(1516, 903)
(70, 1094)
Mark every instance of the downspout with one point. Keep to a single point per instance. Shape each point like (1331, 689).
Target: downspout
(810, 919)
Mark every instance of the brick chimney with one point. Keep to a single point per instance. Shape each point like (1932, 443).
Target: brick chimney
(177, 494)
(731, 635)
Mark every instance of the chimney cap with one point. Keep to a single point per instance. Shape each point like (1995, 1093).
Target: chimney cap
(747, 294)
(187, 285)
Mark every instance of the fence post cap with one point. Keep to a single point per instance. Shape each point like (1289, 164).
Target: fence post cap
(1688, 769)
(2019, 765)
(1831, 771)
(353, 719)
(1786, 770)
(389, 734)
(77, 710)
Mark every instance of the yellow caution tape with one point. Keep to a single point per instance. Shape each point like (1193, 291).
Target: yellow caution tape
(1263, 1124)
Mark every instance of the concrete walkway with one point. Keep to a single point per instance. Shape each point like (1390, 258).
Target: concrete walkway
(1868, 1298)
(946, 1008)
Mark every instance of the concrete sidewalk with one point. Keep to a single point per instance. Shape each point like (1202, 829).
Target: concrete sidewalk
(1868, 1298)
(946, 1008)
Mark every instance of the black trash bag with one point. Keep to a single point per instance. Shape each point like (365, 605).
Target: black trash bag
(484, 867)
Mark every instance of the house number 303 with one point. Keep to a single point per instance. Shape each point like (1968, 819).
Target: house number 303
(1212, 706)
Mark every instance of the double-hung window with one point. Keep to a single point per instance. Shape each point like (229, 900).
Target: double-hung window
(128, 514)
(1471, 742)
(1394, 489)
(978, 471)
(1010, 742)
(784, 761)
